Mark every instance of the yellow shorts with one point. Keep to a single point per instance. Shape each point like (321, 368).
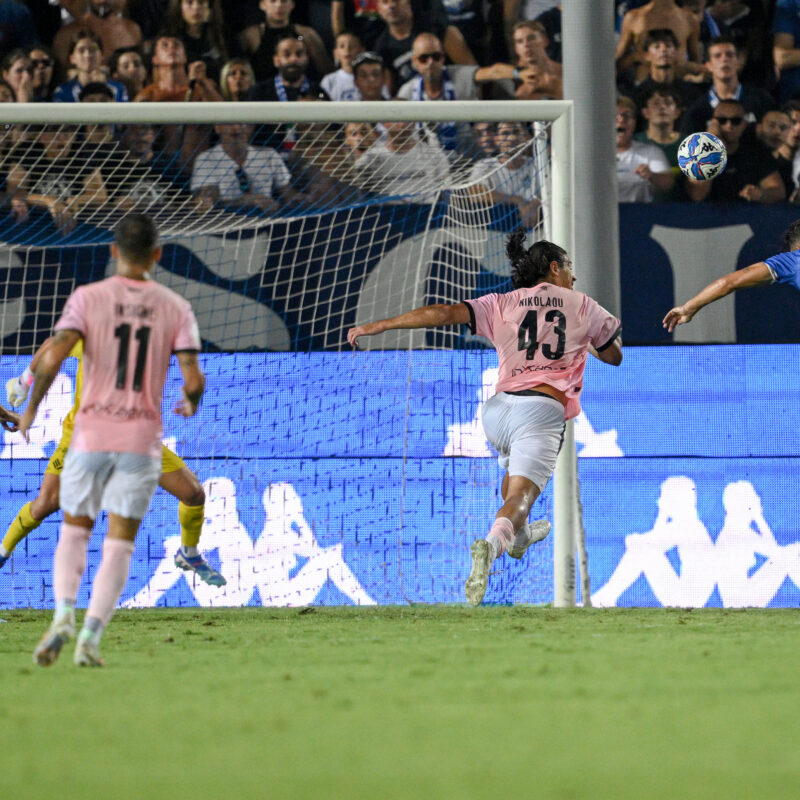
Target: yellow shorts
(170, 462)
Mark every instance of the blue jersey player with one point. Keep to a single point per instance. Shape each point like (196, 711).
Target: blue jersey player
(782, 268)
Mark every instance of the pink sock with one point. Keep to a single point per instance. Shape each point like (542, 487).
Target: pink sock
(69, 562)
(110, 579)
(501, 536)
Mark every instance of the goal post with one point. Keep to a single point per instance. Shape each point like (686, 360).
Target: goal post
(237, 259)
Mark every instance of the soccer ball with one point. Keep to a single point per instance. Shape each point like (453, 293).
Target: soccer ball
(702, 156)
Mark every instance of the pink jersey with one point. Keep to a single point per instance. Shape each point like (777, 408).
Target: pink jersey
(542, 335)
(130, 329)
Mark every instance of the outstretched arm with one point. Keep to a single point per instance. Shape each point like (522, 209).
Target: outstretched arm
(754, 275)
(46, 370)
(432, 316)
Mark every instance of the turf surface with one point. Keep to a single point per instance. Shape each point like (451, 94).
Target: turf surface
(408, 702)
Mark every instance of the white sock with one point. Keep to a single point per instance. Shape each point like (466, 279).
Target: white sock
(189, 552)
(3, 552)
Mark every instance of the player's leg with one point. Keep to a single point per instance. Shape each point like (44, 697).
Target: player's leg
(522, 493)
(33, 513)
(81, 486)
(182, 483)
(126, 496)
(530, 430)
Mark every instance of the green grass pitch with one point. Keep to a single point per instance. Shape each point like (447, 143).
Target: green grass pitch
(408, 702)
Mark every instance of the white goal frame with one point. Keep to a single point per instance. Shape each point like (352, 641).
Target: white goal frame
(567, 517)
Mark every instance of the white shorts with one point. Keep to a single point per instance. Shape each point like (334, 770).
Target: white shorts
(527, 432)
(120, 483)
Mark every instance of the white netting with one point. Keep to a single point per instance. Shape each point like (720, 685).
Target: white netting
(331, 476)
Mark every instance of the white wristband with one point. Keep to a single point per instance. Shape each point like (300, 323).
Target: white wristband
(27, 377)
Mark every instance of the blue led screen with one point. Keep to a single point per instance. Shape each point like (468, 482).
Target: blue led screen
(363, 478)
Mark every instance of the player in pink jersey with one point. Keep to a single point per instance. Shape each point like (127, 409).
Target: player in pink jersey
(130, 326)
(542, 331)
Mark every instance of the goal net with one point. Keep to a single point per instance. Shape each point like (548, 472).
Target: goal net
(331, 475)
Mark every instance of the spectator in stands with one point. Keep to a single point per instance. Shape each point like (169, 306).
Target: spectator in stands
(290, 84)
(485, 137)
(127, 66)
(434, 81)
(241, 175)
(44, 171)
(661, 54)
(199, 24)
(661, 111)
(786, 47)
(724, 63)
(260, 42)
(17, 72)
(751, 174)
(642, 169)
(237, 79)
(403, 166)
(173, 82)
(540, 76)
(93, 133)
(745, 21)
(786, 153)
(369, 77)
(509, 177)
(17, 30)
(291, 81)
(43, 75)
(772, 127)
(139, 140)
(771, 131)
(656, 14)
(340, 85)
(113, 30)
(403, 24)
(359, 137)
(86, 57)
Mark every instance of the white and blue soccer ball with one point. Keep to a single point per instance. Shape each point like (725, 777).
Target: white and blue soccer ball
(702, 156)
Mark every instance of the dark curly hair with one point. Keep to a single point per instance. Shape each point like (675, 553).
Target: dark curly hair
(531, 266)
(791, 236)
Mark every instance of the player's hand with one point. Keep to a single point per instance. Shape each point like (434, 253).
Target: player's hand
(186, 408)
(16, 391)
(197, 71)
(354, 333)
(9, 420)
(679, 315)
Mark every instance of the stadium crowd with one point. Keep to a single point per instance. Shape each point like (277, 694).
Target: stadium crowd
(728, 66)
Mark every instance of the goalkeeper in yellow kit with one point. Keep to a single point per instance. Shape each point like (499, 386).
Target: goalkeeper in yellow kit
(176, 478)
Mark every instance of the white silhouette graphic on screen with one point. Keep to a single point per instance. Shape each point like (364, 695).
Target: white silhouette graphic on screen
(743, 578)
(677, 526)
(286, 541)
(55, 406)
(223, 532)
(468, 439)
(287, 545)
